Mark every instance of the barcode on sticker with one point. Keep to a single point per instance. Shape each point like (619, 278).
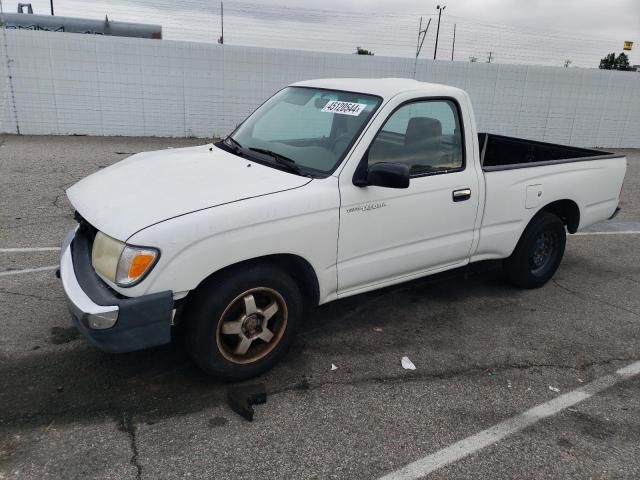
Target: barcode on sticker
(344, 108)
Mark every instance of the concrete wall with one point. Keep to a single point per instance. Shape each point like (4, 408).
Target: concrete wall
(82, 84)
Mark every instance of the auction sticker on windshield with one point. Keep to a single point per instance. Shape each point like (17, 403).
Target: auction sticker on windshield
(344, 108)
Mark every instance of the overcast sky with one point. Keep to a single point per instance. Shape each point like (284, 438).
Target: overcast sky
(517, 31)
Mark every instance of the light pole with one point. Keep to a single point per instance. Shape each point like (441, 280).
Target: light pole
(440, 10)
(453, 47)
(221, 39)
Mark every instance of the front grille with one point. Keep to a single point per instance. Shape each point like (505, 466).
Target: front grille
(87, 229)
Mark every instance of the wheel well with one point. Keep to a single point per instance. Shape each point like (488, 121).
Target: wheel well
(299, 269)
(567, 211)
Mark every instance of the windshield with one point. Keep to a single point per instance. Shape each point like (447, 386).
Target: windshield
(309, 126)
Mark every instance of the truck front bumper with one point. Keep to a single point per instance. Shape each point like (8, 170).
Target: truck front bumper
(112, 322)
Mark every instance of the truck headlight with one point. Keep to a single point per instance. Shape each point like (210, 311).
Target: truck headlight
(125, 265)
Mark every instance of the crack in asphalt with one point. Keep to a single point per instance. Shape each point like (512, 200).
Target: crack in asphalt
(619, 275)
(56, 200)
(127, 426)
(594, 298)
(30, 295)
(45, 221)
(417, 376)
(63, 187)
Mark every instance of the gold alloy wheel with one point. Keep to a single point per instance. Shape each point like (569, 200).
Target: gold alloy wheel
(252, 325)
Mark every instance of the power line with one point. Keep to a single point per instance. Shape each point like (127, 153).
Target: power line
(390, 34)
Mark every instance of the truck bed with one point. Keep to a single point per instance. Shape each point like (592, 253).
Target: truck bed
(498, 152)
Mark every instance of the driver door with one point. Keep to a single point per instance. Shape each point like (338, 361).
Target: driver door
(388, 235)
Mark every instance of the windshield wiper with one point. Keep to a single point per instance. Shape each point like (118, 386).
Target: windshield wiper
(233, 142)
(230, 144)
(280, 159)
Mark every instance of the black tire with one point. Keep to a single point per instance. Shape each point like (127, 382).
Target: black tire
(538, 253)
(222, 299)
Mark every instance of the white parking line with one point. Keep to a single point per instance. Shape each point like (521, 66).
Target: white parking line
(426, 465)
(29, 249)
(28, 270)
(56, 249)
(627, 232)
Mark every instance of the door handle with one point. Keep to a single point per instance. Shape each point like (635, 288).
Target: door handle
(461, 194)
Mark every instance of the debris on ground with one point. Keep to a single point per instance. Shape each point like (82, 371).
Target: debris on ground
(377, 329)
(241, 399)
(407, 364)
(580, 380)
(217, 422)
(509, 384)
(554, 389)
(333, 367)
(492, 373)
(302, 385)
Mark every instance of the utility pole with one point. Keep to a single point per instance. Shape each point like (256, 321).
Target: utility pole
(51, 3)
(453, 48)
(440, 10)
(221, 39)
(490, 57)
(419, 43)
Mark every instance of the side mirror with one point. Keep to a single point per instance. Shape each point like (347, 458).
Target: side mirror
(389, 175)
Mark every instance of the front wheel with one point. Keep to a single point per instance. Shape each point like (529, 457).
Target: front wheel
(240, 324)
(538, 253)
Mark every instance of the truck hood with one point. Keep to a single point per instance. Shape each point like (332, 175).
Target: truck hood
(150, 187)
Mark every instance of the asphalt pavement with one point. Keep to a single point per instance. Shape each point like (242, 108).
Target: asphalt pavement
(484, 352)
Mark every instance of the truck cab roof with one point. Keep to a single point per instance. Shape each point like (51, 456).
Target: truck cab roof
(382, 87)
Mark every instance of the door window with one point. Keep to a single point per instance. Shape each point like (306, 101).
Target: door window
(426, 135)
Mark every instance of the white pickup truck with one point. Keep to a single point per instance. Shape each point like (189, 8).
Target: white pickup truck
(329, 189)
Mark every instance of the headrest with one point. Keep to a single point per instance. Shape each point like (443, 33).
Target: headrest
(420, 129)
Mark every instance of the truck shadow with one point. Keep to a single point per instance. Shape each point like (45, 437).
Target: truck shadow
(72, 381)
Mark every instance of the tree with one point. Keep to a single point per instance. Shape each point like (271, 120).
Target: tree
(623, 62)
(363, 51)
(608, 62)
(611, 62)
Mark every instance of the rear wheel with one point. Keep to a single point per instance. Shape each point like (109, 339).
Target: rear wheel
(240, 324)
(538, 253)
